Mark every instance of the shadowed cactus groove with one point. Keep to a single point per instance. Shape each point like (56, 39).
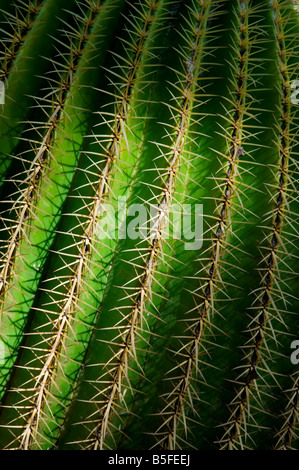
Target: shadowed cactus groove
(149, 224)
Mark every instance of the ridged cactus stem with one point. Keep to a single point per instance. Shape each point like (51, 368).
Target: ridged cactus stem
(39, 168)
(155, 248)
(174, 410)
(44, 378)
(113, 150)
(149, 224)
(264, 301)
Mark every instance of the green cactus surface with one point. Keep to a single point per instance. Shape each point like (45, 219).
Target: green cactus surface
(149, 224)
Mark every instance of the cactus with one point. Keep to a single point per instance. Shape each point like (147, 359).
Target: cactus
(124, 122)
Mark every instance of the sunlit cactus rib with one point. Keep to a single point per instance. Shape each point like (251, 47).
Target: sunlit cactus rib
(37, 168)
(20, 53)
(155, 248)
(117, 146)
(144, 33)
(113, 338)
(23, 204)
(57, 142)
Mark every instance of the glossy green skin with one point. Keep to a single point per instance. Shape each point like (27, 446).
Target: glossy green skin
(136, 58)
